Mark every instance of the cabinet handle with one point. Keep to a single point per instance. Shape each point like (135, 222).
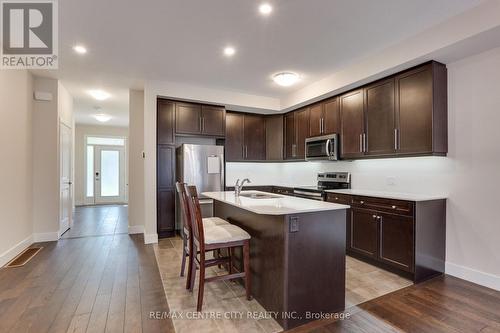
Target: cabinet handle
(203, 124)
(361, 143)
(243, 151)
(395, 139)
(294, 149)
(365, 144)
(320, 125)
(246, 151)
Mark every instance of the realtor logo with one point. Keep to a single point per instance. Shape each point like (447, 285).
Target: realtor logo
(29, 34)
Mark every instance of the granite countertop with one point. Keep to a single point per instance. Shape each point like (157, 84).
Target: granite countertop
(389, 195)
(276, 205)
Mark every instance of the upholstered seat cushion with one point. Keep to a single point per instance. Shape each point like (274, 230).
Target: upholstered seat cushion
(224, 234)
(211, 221)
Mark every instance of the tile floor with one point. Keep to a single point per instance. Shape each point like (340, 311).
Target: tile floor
(362, 284)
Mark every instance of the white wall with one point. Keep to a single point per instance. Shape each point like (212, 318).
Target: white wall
(136, 162)
(16, 166)
(469, 176)
(80, 150)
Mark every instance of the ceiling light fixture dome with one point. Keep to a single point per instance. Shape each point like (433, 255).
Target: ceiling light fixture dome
(100, 95)
(80, 49)
(265, 8)
(286, 79)
(229, 51)
(101, 117)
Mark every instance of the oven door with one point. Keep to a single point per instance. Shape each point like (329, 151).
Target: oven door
(321, 148)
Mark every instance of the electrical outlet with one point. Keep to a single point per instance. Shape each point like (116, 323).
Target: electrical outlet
(391, 181)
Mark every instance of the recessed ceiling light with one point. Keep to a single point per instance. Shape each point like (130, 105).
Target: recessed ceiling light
(229, 51)
(265, 8)
(286, 79)
(100, 95)
(80, 49)
(101, 117)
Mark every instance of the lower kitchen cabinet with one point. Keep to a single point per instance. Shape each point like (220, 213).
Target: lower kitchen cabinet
(166, 212)
(407, 237)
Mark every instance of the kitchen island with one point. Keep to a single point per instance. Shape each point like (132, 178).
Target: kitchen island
(297, 252)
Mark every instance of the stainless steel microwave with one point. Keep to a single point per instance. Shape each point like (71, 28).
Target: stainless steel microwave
(322, 148)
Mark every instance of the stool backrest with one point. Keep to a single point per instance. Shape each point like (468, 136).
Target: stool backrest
(183, 199)
(196, 217)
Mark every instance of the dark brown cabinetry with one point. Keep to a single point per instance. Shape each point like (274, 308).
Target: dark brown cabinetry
(296, 132)
(245, 137)
(274, 138)
(324, 118)
(166, 190)
(196, 119)
(352, 124)
(165, 120)
(407, 237)
(289, 136)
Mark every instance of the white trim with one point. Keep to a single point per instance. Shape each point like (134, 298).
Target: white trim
(15, 250)
(150, 238)
(46, 237)
(135, 229)
(473, 275)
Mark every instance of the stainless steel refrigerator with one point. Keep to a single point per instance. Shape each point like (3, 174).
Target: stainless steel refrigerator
(202, 166)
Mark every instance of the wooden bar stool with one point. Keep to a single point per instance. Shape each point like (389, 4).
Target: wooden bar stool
(187, 230)
(215, 238)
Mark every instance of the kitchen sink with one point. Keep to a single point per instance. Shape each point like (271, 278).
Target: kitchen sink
(255, 195)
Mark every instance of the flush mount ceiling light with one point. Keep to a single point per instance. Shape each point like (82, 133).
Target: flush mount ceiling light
(101, 117)
(286, 79)
(265, 9)
(100, 95)
(229, 51)
(80, 49)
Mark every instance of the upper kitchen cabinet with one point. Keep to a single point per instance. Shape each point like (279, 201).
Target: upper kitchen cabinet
(245, 137)
(295, 133)
(289, 134)
(274, 138)
(195, 119)
(352, 132)
(166, 123)
(421, 111)
(324, 118)
(380, 118)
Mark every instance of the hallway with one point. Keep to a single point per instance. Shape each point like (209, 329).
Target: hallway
(98, 221)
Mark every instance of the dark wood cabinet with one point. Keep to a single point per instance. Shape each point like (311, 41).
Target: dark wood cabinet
(396, 240)
(166, 166)
(302, 128)
(187, 118)
(363, 231)
(254, 137)
(165, 120)
(166, 213)
(274, 138)
(316, 116)
(196, 119)
(234, 144)
(289, 136)
(245, 137)
(352, 124)
(324, 118)
(421, 109)
(380, 118)
(213, 120)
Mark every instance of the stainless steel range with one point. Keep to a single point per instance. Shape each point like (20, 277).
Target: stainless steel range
(326, 181)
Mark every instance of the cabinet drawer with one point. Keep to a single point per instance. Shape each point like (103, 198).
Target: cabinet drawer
(384, 205)
(338, 198)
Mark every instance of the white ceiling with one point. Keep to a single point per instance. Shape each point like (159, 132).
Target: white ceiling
(181, 41)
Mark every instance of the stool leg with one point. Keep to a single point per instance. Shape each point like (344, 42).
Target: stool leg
(231, 253)
(184, 254)
(191, 272)
(246, 263)
(201, 287)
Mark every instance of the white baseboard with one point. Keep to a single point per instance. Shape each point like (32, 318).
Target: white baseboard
(15, 250)
(150, 238)
(473, 275)
(46, 237)
(135, 229)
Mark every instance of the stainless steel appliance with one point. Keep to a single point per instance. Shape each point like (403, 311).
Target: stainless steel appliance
(202, 166)
(326, 181)
(322, 148)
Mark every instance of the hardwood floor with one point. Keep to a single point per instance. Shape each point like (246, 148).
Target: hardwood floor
(88, 284)
(98, 221)
(443, 304)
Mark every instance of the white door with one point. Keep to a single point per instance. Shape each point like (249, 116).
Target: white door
(109, 172)
(66, 201)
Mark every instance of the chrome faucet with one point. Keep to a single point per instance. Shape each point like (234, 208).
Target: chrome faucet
(238, 187)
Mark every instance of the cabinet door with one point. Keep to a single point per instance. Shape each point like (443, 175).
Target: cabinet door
(213, 120)
(363, 231)
(166, 166)
(274, 138)
(380, 118)
(254, 137)
(166, 213)
(187, 118)
(289, 136)
(331, 118)
(234, 137)
(414, 101)
(352, 124)
(302, 125)
(316, 120)
(165, 121)
(396, 241)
